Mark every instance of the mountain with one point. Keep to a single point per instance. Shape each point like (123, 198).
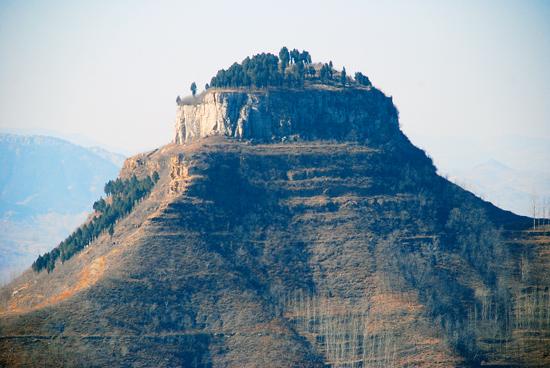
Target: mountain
(508, 187)
(46, 191)
(519, 163)
(292, 225)
(45, 174)
(115, 158)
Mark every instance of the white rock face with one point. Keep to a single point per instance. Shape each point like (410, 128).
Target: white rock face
(201, 120)
(274, 115)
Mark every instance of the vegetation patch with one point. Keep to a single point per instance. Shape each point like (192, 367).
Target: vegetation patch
(122, 195)
(288, 69)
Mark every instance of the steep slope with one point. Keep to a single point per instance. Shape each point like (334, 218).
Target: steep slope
(350, 252)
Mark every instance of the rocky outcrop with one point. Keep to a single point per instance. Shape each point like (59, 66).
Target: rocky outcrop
(139, 165)
(179, 172)
(349, 114)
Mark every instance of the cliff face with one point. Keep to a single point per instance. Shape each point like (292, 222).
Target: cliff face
(362, 115)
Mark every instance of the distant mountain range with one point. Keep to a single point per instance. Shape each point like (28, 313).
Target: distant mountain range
(507, 171)
(47, 187)
(115, 158)
(506, 187)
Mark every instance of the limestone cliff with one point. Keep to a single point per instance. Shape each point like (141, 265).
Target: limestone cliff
(351, 114)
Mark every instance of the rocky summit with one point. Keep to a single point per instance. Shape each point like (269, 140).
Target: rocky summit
(290, 227)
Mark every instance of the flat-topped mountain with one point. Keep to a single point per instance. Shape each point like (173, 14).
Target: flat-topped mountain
(286, 226)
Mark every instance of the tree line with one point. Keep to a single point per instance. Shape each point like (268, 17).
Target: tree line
(122, 195)
(289, 69)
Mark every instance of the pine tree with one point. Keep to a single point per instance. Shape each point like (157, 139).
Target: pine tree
(362, 79)
(284, 57)
(343, 77)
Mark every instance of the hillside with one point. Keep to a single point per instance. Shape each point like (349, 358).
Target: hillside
(279, 238)
(46, 190)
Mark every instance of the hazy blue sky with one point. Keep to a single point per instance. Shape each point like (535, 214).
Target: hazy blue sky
(470, 78)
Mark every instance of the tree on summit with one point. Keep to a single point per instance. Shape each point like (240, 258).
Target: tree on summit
(284, 57)
(289, 68)
(343, 76)
(362, 79)
(295, 56)
(306, 57)
(194, 88)
(324, 73)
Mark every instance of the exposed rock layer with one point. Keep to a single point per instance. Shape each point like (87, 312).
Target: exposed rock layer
(363, 115)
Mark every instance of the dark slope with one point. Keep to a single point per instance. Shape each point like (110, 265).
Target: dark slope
(286, 255)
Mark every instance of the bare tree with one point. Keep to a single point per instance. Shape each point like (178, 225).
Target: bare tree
(546, 211)
(534, 200)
